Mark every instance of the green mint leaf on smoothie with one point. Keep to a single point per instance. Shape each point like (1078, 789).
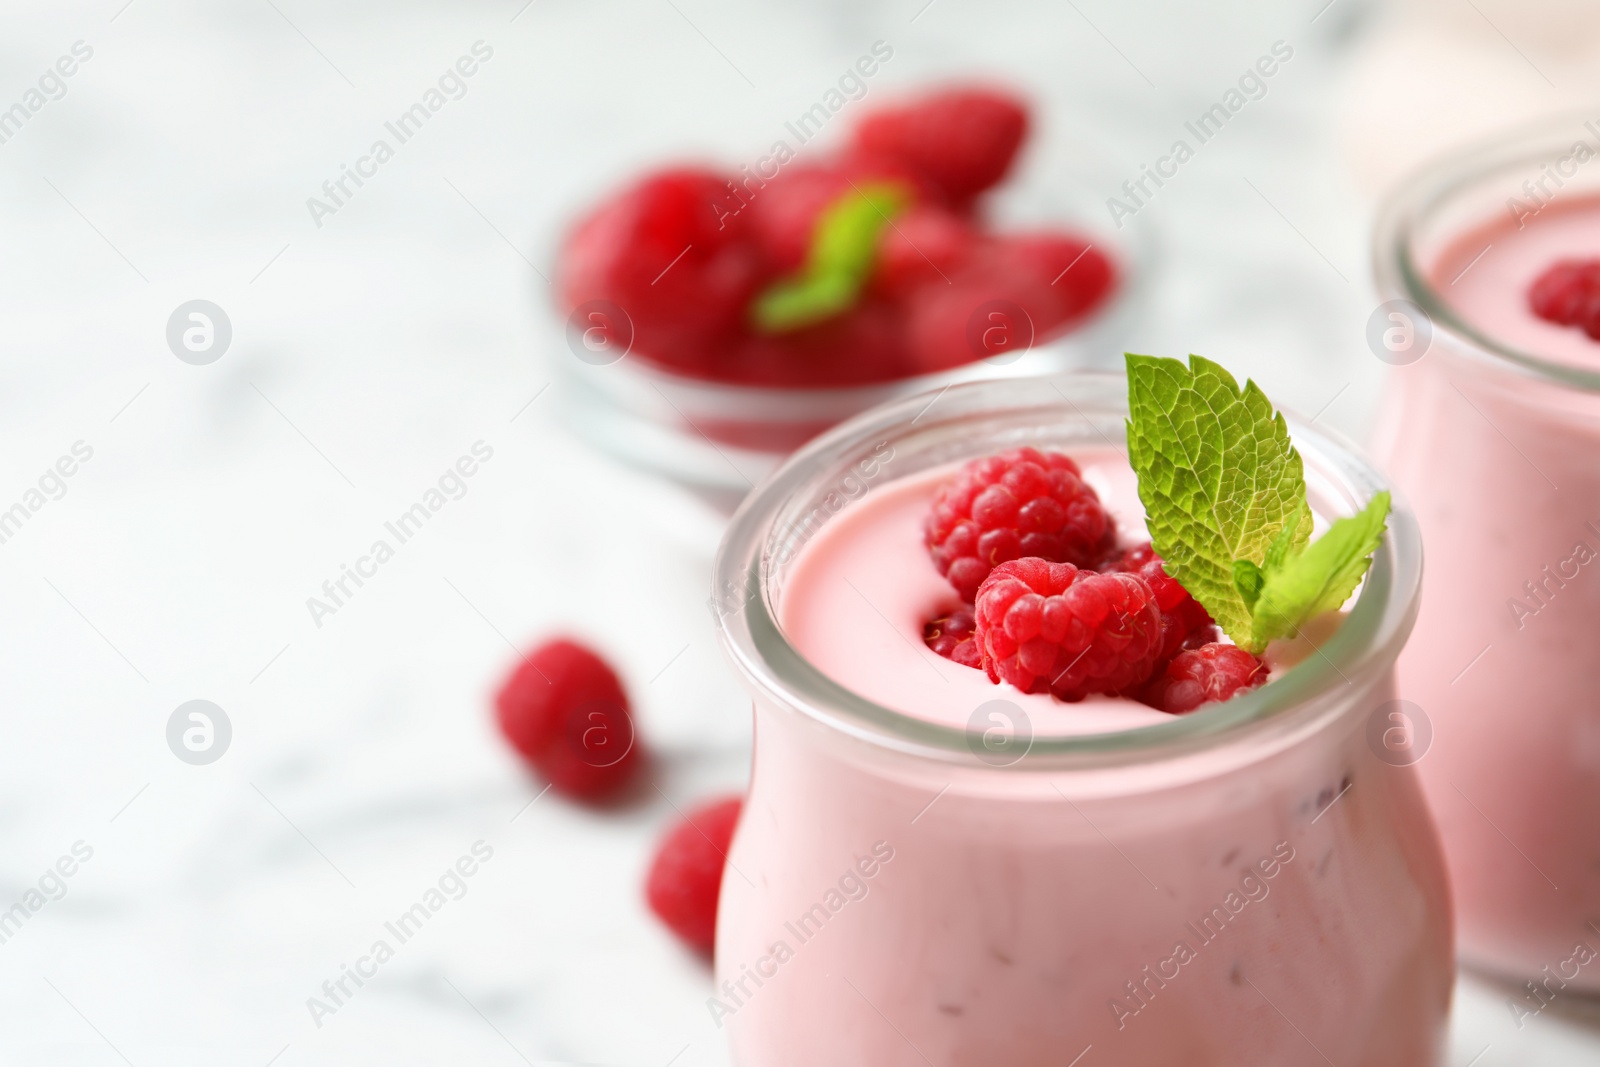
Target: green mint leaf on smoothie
(1322, 577)
(844, 246)
(1219, 480)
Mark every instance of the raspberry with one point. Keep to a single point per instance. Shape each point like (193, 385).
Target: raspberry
(1184, 622)
(1019, 503)
(961, 140)
(951, 636)
(991, 307)
(782, 214)
(864, 345)
(1568, 293)
(686, 875)
(672, 255)
(1051, 627)
(1204, 675)
(924, 246)
(1079, 275)
(565, 712)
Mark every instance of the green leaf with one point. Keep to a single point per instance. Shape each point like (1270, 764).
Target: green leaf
(1248, 579)
(1322, 577)
(844, 246)
(1218, 477)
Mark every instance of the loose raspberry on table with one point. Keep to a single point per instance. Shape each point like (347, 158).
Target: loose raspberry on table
(951, 636)
(963, 140)
(1204, 675)
(1022, 502)
(1184, 622)
(1568, 293)
(566, 713)
(1051, 627)
(685, 877)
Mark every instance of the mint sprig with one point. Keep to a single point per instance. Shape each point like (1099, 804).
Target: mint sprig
(844, 246)
(1225, 499)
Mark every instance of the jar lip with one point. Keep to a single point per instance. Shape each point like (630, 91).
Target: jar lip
(747, 621)
(1399, 275)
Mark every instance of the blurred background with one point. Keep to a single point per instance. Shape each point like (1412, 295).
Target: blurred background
(373, 346)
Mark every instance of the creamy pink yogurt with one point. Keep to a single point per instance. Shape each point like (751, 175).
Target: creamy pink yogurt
(1501, 469)
(1250, 905)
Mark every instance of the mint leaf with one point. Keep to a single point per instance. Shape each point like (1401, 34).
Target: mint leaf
(1218, 477)
(1322, 577)
(844, 245)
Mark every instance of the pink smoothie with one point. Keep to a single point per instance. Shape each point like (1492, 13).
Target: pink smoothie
(1500, 467)
(1250, 905)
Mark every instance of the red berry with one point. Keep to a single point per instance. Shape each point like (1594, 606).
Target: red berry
(991, 308)
(1204, 675)
(925, 246)
(782, 214)
(1568, 293)
(961, 140)
(1019, 503)
(1050, 627)
(1184, 622)
(951, 636)
(686, 875)
(670, 252)
(1079, 275)
(864, 345)
(565, 711)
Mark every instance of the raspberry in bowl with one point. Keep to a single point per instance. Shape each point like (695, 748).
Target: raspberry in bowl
(1490, 425)
(717, 320)
(1072, 810)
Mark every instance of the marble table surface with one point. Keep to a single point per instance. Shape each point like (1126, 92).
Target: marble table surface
(374, 342)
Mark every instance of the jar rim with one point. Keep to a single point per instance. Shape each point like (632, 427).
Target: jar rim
(1431, 186)
(1365, 644)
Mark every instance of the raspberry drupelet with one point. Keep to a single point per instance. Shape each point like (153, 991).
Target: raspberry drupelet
(951, 636)
(1022, 502)
(1051, 627)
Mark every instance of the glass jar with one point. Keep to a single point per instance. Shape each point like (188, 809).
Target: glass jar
(1496, 447)
(719, 439)
(1256, 883)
